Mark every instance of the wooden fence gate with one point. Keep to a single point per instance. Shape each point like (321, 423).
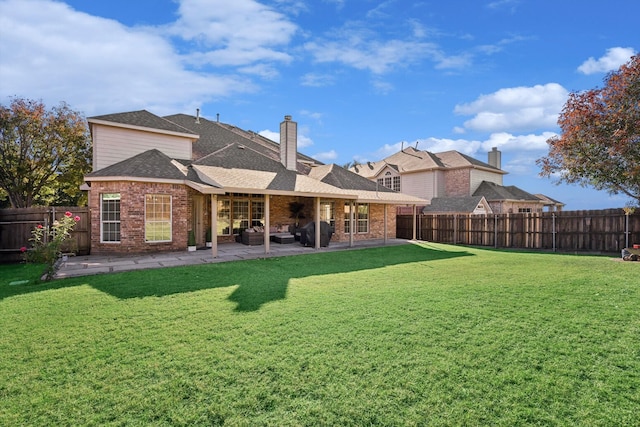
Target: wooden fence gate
(16, 226)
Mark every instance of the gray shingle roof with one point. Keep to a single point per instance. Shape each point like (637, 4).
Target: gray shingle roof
(241, 161)
(492, 191)
(413, 160)
(217, 135)
(150, 164)
(143, 118)
(239, 156)
(347, 180)
(465, 204)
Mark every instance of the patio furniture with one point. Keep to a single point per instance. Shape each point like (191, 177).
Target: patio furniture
(283, 238)
(308, 234)
(255, 236)
(252, 238)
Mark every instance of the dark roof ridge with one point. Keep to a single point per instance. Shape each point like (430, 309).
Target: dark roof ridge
(145, 119)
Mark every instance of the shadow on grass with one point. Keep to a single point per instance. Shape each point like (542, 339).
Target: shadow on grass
(256, 282)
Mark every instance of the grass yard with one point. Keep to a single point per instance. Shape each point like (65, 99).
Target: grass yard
(406, 335)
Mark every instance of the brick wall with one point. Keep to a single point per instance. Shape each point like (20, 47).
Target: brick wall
(132, 198)
(457, 182)
(376, 223)
(132, 202)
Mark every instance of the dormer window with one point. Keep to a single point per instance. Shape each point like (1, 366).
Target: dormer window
(390, 181)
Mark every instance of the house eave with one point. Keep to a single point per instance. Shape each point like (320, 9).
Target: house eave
(190, 136)
(346, 196)
(202, 188)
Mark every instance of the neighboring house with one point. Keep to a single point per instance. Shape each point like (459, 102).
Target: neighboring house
(155, 179)
(452, 175)
(476, 205)
(510, 199)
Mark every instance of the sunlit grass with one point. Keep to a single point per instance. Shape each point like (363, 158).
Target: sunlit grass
(407, 335)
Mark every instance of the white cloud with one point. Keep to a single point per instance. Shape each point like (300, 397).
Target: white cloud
(515, 109)
(439, 145)
(317, 80)
(359, 52)
(507, 142)
(274, 136)
(98, 65)
(303, 140)
(382, 152)
(311, 114)
(355, 45)
(510, 5)
(611, 61)
(382, 87)
(238, 32)
(326, 156)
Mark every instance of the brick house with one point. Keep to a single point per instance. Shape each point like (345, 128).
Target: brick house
(456, 176)
(156, 179)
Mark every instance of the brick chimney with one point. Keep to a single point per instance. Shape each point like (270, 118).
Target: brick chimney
(289, 143)
(495, 158)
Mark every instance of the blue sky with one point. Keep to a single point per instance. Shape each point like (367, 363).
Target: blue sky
(360, 77)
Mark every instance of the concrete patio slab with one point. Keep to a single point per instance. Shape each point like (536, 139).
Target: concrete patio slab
(86, 265)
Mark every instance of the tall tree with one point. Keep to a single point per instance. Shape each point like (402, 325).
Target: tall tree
(600, 141)
(44, 154)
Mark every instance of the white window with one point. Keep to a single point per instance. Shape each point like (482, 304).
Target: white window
(157, 218)
(224, 217)
(240, 215)
(327, 213)
(361, 217)
(396, 183)
(257, 213)
(389, 181)
(110, 217)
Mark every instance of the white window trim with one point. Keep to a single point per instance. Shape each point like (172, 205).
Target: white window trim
(102, 221)
(170, 218)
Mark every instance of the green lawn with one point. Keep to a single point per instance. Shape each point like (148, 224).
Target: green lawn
(405, 335)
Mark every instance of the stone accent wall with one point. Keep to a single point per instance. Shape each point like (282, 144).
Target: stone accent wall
(457, 182)
(132, 217)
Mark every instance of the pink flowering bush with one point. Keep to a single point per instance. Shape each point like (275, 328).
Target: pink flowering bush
(49, 242)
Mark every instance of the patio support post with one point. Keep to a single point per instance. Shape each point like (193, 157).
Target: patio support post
(317, 220)
(352, 207)
(214, 225)
(267, 225)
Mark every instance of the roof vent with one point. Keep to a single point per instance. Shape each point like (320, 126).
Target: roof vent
(197, 115)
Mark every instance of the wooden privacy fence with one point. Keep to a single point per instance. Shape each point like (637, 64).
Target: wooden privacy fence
(16, 226)
(604, 231)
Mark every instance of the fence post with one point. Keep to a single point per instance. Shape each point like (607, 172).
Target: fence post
(627, 211)
(495, 231)
(553, 230)
(455, 229)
